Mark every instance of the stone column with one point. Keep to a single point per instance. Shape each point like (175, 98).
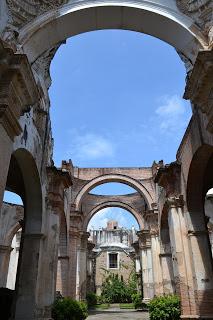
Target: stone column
(181, 257)
(201, 256)
(76, 219)
(4, 264)
(58, 181)
(90, 267)
(27, 279)
(74, 239)
(146, 261)
(62, 272)
(138, 269)
(157, 272)
(167, 272)
(82, 267)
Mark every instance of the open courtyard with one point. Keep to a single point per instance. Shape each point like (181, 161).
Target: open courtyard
(116, 314)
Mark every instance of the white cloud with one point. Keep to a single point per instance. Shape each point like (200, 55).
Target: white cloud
(90, 146)
(172, 113)
(101, 218)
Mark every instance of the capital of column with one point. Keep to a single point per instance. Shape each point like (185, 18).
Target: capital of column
(74, 233)
(199, 87)
(35, 236)
(4, 248)
(55, 203)
(168, 177)
(76, 219)
(90, 246)
(135, 245)
(175, 202)
(63, 257)
(18, 89)
(84, 239)
(58, 180)
(197, 233)
(144, 237)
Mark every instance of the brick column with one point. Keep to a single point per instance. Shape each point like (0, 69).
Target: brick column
(4, 264)
(146, 261)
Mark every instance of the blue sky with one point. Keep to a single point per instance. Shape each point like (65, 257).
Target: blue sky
(116, 100)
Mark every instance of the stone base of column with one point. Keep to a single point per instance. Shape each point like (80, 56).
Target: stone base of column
(146, 300)
(194, 317)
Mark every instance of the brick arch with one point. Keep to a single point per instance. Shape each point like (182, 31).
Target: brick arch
(117, 204)
(114, 178)
(155, 19)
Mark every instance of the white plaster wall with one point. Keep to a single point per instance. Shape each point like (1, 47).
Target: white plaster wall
(11, 277)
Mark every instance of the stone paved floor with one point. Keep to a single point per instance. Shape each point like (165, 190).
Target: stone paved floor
(117, 314)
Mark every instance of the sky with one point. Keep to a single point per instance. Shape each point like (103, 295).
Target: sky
(116, 101)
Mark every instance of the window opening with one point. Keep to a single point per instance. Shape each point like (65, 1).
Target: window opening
(113, 260)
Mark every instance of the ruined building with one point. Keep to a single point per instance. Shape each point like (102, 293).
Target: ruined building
(113, 252)
(175, 237)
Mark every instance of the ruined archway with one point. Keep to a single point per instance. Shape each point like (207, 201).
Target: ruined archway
(138, 186)
(115, 204)
(155, 19)
(200, 180)
(23, 179)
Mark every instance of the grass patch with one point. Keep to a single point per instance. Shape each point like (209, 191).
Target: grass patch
(101, 306)
(127, 306)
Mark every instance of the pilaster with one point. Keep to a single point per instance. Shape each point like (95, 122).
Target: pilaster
(18, 92)
(144, 237)
(199, 86)
(4, 264)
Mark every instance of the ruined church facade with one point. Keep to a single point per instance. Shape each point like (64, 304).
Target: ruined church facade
(175, 237)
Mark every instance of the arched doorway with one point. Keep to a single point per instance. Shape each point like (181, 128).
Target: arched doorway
(23, 179)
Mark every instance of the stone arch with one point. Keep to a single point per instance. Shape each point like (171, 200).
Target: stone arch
(23, 179)
(114, 178)
(161, 21)
(200, 178)
(116, 204)
(12, 233)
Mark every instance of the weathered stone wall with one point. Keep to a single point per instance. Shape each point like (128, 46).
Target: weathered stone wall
(125, 269)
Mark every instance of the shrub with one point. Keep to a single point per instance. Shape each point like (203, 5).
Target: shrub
(91, 299)
(137, 300)
(68, 309)
(165, 308)
(116, 290)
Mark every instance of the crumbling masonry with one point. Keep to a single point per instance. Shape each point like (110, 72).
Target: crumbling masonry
(169, 203)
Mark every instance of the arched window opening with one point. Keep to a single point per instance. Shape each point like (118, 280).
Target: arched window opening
(12, 198)
(125, 91)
